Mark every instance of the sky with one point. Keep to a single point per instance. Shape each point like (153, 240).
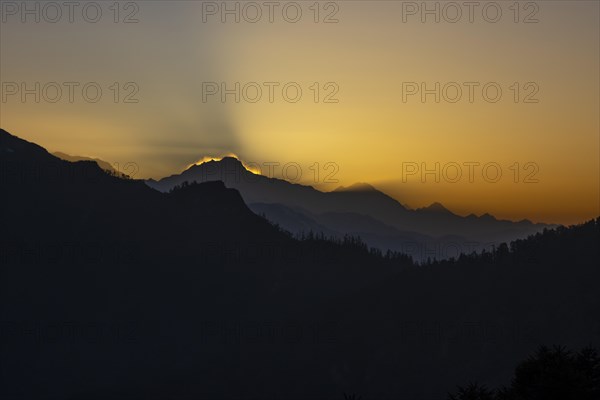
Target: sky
(491, 109)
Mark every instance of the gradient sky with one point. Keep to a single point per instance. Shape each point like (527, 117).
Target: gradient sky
(369, 134)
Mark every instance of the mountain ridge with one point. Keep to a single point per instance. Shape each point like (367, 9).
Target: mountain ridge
(110, 288)
(358, 199)
(337, 213)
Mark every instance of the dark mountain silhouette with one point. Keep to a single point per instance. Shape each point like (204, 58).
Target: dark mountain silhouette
(436, 208)
(101, 163)
(424, 232)
(83, 248)
(292, 220)
(372, 231)
(357, 187)
(482, 312)
(111, 289)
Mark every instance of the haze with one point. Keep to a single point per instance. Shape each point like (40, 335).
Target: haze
(371, 133)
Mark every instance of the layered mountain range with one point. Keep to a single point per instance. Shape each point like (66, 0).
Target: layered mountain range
(359, 210)
(110, 289)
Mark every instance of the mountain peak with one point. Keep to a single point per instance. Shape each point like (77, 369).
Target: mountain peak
(228, 169)
(435, 207)
(227, 162)
(357, 187)
(488, 217)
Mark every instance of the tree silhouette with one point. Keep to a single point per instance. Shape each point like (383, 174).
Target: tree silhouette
(473, 391)
(558, 374)
(549, 374)
(352, 397)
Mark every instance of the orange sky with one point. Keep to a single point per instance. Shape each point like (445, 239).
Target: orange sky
(369, 61)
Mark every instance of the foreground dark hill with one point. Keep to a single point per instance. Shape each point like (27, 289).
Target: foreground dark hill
(361, 210)
(87, 253)
(482, 313)
(48, 199)
(110, 289)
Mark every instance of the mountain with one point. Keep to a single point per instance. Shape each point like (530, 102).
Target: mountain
(294, 220)
(535, 291)
(111, 289)
(260, 189)
(101, 163)
(48, 197)
(357, 187)
(438, 208)
(375, 233)
(433, 231)
(117, 282)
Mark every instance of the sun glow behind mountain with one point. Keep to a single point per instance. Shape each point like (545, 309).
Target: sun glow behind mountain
(249, 166)
(369, 133)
